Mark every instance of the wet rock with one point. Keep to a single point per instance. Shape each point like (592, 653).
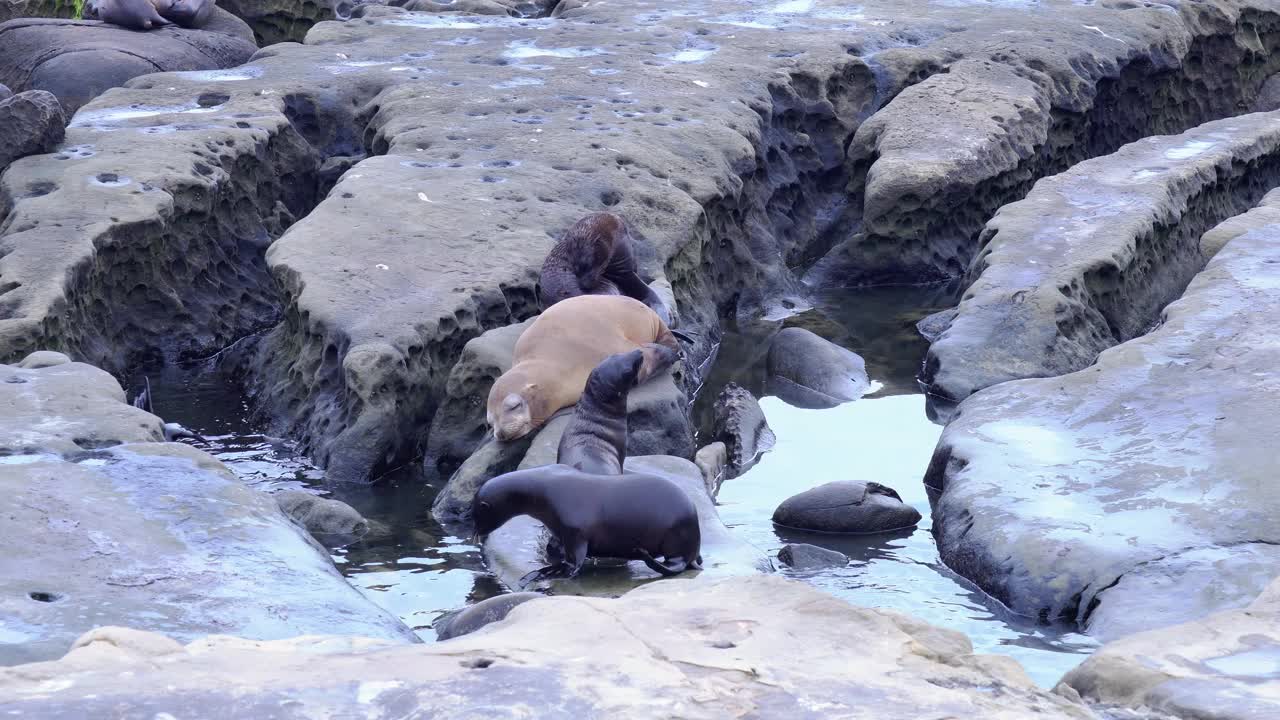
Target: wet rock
(276, 21)
(809, 372)
(469, 619)
(847, 506)
(516, 549)
(1053, 287)
(932, 326)
(802, 556)
(117, 527)
(92, 56)
(1267, 211)
(562, 656)
(1222, 667)
(741, 426)
(43, 359)
(30, 123)
(712, 461)
(322, 517)
(1046, 492)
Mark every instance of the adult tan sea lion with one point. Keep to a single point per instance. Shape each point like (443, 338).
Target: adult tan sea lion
(595, 257)
(596, 439)
(556, 354)
(633, 516)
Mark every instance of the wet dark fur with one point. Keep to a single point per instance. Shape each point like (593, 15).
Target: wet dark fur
(632, 516)
(595, 257)
(596, 439)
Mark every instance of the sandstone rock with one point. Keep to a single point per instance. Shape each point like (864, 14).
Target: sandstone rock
(740, 424)
(847, 506)
(43, 359)
(473, 617)
(712, 461)
(516, 548)
(92, 56)
(321, 516)
(689, 649)
(5, 92)
(30, 123)
(768, 187)
(1267, 212)
(807, 371)
(1053, 286)
(276, 21)
(517, 8)
(1221, 667)
(802, 556)
(117, 527)
(1046, 492)
(1268, 98)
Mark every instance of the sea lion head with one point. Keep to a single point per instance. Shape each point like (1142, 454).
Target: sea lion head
(613, 378)
(514, 403)
(497, 501)
(187, 13)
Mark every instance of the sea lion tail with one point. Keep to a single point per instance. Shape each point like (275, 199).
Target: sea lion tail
(662, 568)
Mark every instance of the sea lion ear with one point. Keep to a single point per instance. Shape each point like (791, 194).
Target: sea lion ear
(512, 401)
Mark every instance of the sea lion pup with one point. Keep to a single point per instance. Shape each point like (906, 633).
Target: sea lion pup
(633, 516)
(186, 13)
(596, 439)
(132, 14)
(554, 356)
(595, 257)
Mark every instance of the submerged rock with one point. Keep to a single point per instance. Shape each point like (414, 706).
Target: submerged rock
(698, 650)
(741, 426)
(117, 527)
(802, 556)
(848, 507)
(809, 372)
(469, 619)
(1222, 667)
(30, 123)
(321, 516)
(516, 549)
(1148, 475)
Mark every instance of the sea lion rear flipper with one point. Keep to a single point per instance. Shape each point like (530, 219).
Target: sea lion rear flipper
(662, 568)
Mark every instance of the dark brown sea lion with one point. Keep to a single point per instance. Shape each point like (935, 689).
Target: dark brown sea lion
(633, 516)
(132, 14)
(556, 354)
(596, 439)
(186, 13)
(595, 257)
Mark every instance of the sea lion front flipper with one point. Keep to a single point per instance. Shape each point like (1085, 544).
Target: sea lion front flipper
(657, 357)
(662, 568)
(631, 285)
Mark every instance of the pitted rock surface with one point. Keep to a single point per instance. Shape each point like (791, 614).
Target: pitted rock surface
(116, 527)
(1157, 461)
(1090, 257)
(469, 142)
(690, 649)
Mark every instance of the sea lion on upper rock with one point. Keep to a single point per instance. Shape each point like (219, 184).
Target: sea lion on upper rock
(595, 257)
(554, 356)
(596, 439)
(132, 14)
(633, 516)
(186, 13)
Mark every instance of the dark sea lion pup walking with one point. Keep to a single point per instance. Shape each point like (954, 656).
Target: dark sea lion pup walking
(633, 516)
(596, 439)
(595, 257)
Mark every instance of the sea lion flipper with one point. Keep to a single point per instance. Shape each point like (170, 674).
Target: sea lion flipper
(662, 568)
(657, 357)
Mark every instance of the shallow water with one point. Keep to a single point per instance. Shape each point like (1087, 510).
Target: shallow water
(416, 569)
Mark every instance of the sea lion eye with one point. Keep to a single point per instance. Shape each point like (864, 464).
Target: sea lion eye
(512, 401)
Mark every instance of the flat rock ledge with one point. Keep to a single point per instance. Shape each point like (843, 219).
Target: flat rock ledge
(738, 647)
(1147, 479)
(465, 143)
(1222, 667)
(108, 525)
(1090, 257)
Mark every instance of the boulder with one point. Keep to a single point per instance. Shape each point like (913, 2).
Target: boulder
(1054, 286)
(324, 518)
(118, 527)
(739, 424)
(689, 649)
(92, 56)
(1225, 666)
(802, 556)
(277, 21)
(43, 359)
(516, 549)
(473, 617)
(1148, 475)
(846, 507)
(809, 372)
(31, 122)
(933, 325)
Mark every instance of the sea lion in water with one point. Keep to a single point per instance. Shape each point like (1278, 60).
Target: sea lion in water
(633, 516)
(172, 431)
(554, 356)
(132, 14)
(595, 257)
(596, 439)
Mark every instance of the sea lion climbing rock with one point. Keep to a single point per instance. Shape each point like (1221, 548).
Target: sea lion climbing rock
(595, 257)
(596, 439)
(560, 349)
(634, 516)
